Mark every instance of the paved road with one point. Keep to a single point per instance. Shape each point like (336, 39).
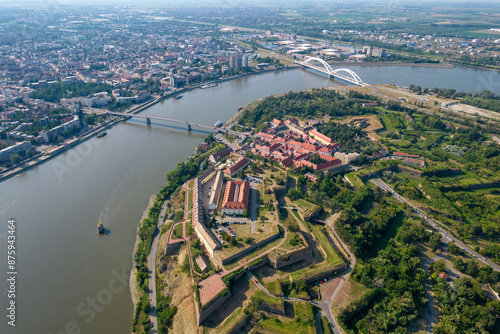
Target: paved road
(437, 225)
(255, 205)
(152, 271)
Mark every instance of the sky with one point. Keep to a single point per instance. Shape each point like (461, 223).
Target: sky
(44, 3)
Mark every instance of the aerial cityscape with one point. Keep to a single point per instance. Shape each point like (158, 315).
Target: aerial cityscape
(251, 167)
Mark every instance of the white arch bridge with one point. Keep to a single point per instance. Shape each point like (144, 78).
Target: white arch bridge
(341, 73)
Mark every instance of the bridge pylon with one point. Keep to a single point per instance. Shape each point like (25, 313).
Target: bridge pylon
(189, 126)
(148, 120)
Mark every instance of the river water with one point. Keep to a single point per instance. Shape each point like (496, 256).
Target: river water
(71, 278)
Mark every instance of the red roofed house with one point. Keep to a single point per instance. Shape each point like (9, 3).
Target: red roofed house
(311, 177)
(235, 198)
(276, 123)
(310, 147)
(443, 275)
(219, 155)
(320, 137)
(241, 163)
(320, 167)
(325, 151)
(287, 162)
(265, 136)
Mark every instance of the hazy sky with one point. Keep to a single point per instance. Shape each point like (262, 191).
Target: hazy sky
(44, 3)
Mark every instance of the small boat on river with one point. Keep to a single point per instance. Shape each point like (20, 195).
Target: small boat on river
(100, 228)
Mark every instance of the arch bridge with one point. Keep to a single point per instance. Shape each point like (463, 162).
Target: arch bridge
(341, 73)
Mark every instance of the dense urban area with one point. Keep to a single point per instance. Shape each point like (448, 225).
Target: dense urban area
(362, 208)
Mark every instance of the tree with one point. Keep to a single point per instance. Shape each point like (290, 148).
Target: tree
(254, 168)
(30, 153)
(233, 241)
(438, 266)
(295, 194)
(15, 158)
(453, 248)
(472, 268)
(435, 241)
(248, 240)
(204, 166)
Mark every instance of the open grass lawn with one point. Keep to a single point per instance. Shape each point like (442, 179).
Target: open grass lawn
(274, 287)
(386, 123)
(306, 206)
(350, 292)
(286, 246)
(178, 231)
(262, 299)
(190, 199)
(303, 322)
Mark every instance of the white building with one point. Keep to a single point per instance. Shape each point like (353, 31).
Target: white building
(20, 148)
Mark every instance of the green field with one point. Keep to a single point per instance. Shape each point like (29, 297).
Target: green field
(274, 287)
(263, 300)
(302, 323)
(307, 206)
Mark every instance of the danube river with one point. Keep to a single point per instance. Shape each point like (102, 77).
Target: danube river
(68, 276)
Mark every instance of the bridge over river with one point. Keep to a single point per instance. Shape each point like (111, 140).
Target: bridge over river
(341, 73)
(173, 120)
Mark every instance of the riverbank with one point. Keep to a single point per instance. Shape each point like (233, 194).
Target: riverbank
(135, 292)
(392, 63)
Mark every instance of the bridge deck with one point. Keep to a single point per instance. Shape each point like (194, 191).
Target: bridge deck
(188, 123)
(163, 119)
(331, 73)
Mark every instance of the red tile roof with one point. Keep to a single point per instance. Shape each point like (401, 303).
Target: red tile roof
(321, 136)
(265, 136)
(443, 275)
(407, 155)
(236, 195)
(242, 162)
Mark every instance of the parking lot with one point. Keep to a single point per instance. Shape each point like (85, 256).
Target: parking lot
(237, 229)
